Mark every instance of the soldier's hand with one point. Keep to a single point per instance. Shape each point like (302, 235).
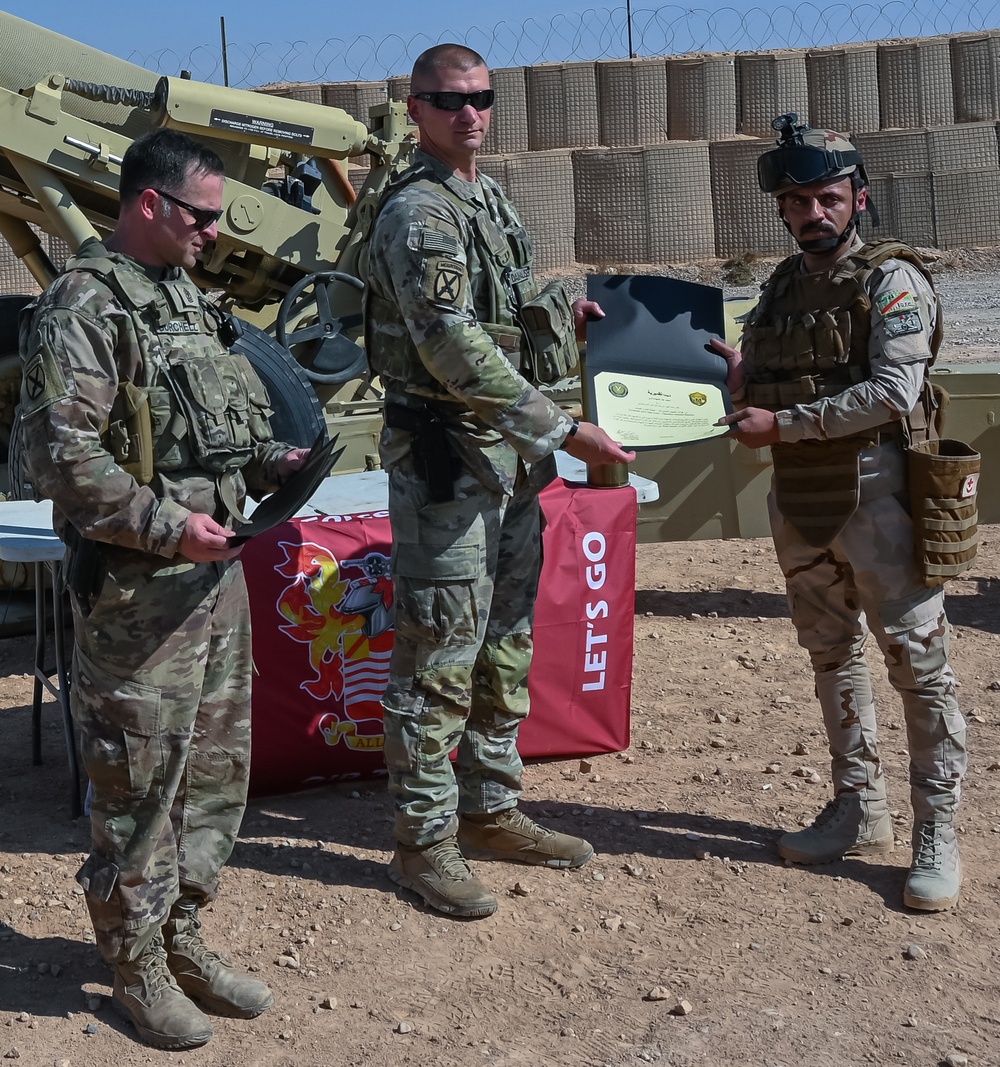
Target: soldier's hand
(591, 444)
(753, 427)
(205, 541)
(736, 375)
(585, 311)
(292, 461)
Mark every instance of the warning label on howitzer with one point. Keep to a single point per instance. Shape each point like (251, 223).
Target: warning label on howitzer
(267, 129)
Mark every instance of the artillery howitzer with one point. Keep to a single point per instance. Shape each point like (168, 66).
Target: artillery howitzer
(286, 260)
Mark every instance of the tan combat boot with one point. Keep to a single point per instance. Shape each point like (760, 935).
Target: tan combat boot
(852, 824)
(146, 994)
(207, 976)
(441, 876)
(935, 878)
(511, 835)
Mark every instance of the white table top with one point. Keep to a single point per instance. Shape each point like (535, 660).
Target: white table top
(26, 534)
(355, 494)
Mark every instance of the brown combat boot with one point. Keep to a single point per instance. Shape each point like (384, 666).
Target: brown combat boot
(146, 994)
(441, 876)
(511, 835)
(207, 976)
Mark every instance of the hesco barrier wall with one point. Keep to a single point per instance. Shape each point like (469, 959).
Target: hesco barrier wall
(653, 160)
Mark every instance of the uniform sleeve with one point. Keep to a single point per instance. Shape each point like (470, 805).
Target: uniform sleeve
(69, 385)
(903, 317)
(421, 241)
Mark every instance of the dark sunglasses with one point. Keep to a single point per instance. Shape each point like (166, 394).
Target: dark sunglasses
(201, 217)
(481, 100)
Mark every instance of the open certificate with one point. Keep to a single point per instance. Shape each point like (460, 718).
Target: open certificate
(649, 380)
(644, 412)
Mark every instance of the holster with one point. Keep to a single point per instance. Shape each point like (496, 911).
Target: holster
(433, 457)
(944, 482)
(86, 567)
(817, 486)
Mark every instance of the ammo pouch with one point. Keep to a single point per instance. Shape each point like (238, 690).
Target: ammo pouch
(225, 406)
(433, 457)
(944, 478)
(549, 343)
(128, 435)
(817, 486)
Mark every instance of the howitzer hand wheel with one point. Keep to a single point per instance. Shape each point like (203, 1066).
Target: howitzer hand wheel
(326, 355)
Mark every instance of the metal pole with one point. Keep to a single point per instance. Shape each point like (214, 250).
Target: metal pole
(225, 54)
(628, 23)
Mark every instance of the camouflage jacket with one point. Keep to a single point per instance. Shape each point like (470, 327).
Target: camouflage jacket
(79, 343)
(865, 359)
(437, 333)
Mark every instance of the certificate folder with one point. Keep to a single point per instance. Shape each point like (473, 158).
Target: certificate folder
(648, 378)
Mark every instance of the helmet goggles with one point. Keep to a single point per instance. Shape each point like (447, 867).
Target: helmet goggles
(802, 165)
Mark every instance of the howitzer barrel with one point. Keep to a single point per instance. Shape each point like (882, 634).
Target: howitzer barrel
(29, 52)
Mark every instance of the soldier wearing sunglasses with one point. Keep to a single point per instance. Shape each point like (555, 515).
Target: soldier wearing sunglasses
(469, 441)
(834, 371)
(146, 432)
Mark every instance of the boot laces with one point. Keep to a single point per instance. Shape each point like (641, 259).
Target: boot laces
(928, 847)
(191, 941)
(153, 969)
(831, 810)
(515, 819)
(447, 858)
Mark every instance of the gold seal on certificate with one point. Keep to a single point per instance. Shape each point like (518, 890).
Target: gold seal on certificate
(650, 380)
(644, 412)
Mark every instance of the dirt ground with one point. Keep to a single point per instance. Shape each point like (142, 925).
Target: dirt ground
(685, 941)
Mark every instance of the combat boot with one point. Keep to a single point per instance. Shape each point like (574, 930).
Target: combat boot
(852, 824)
(935, 878)
(511, 835)
(207, 976)
(146, 994)
(441, 876)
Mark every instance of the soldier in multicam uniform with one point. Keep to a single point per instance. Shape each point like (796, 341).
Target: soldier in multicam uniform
(468, 445)
(127, 429)
(835, 370)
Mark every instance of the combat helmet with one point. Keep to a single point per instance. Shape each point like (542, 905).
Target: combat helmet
(804, 156)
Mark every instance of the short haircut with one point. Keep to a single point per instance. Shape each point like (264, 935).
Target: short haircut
(164, 159)
(441, 57)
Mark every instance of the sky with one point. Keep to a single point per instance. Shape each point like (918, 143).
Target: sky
(305, 41)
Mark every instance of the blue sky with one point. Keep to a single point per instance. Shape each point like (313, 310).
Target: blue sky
(304, 40)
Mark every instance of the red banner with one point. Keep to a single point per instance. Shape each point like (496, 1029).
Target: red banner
(321, 599)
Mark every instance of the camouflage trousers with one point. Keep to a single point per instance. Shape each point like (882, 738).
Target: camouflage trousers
(466, 575)
(161, 702)
(866, 580)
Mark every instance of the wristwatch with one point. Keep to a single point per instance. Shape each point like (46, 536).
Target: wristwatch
(572, 432)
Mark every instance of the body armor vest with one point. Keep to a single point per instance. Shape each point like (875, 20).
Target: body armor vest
(809, 333)
(201, 404)
(809, 339)
(533, 328)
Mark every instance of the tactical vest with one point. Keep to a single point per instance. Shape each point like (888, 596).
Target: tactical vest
(533, 328)
(201, 404)
(809, 333)
(809, 339)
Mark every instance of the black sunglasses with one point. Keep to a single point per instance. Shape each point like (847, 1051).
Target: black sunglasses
(481, 100)
(201, 217)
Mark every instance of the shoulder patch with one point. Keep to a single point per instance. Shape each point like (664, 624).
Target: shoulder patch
(898, 325)
(445, 281)
(895, 301)
(41, 385)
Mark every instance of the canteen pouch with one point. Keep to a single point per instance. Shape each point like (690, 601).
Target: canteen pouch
(129, 433)
(550, 351)
(817, 486)
(944, 481)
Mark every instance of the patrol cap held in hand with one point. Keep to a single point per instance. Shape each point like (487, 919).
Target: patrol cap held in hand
(805, 155)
